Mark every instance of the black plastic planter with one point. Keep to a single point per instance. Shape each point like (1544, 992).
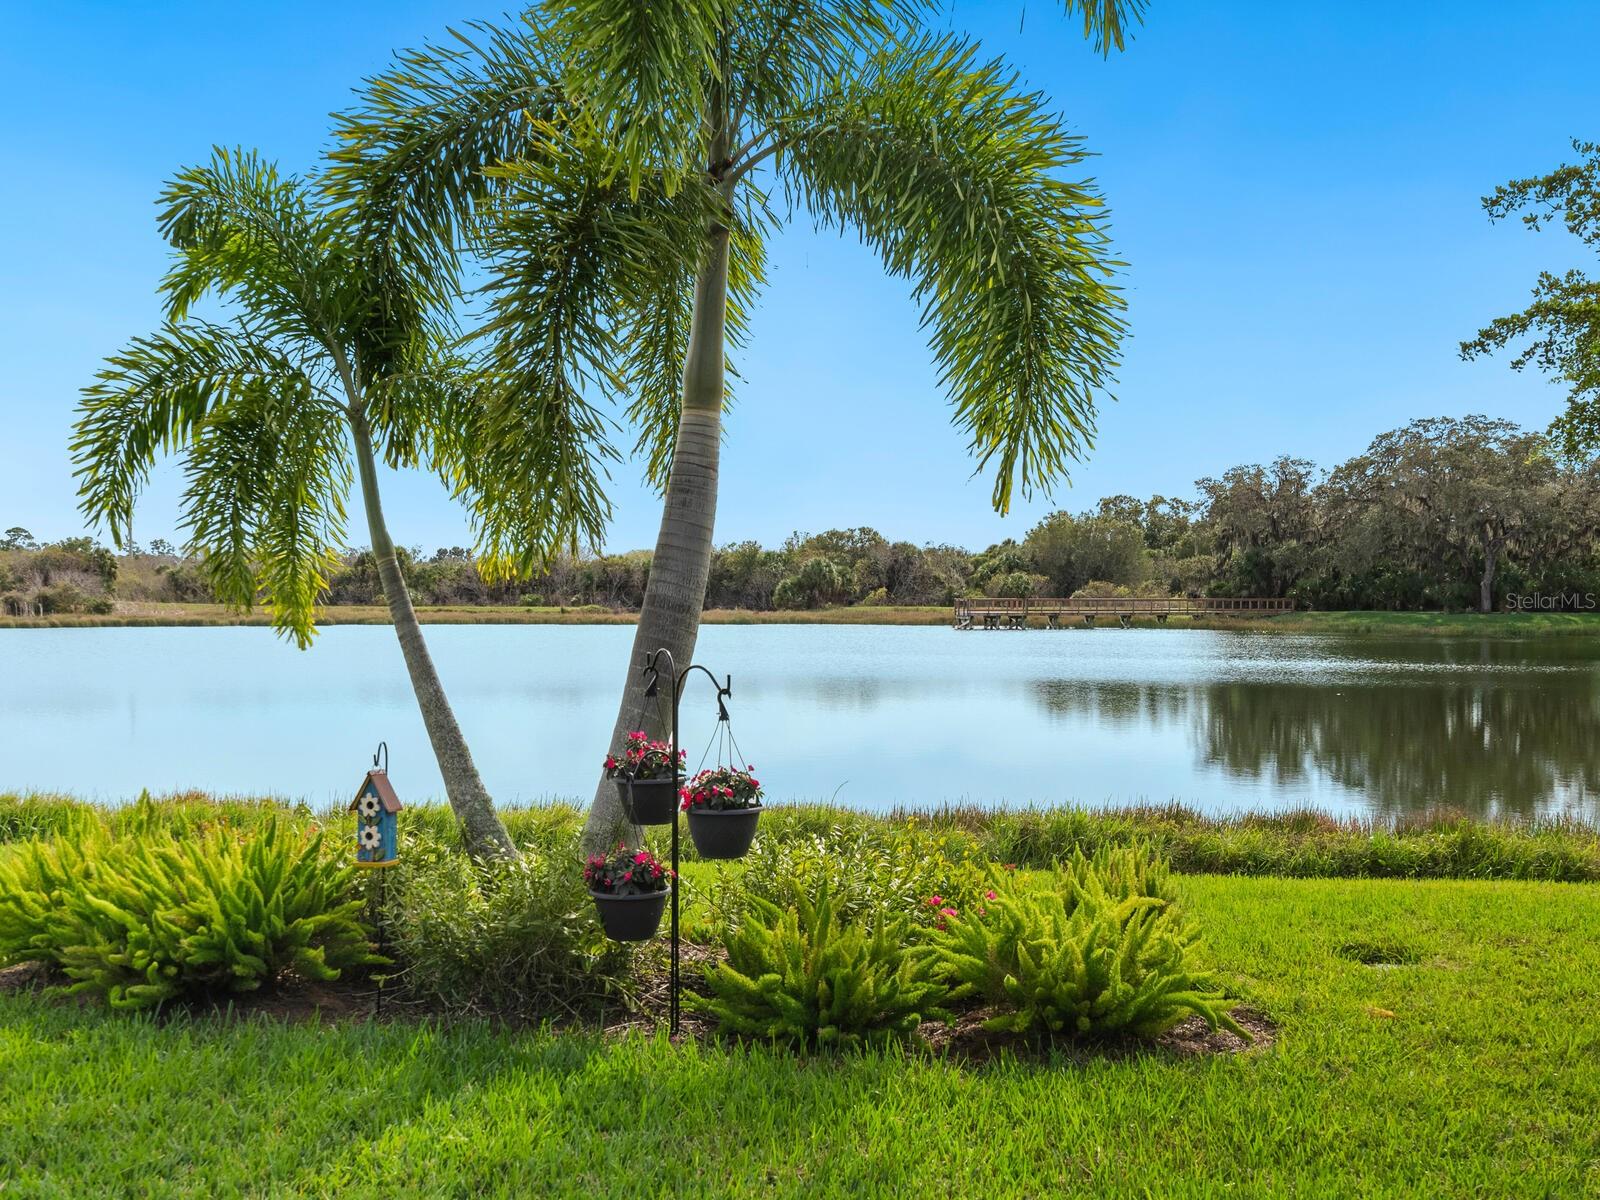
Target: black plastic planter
(631, 918)
(650, 801)
(725, 833)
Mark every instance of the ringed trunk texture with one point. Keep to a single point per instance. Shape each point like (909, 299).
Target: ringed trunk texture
(481, 829)
(676, 590)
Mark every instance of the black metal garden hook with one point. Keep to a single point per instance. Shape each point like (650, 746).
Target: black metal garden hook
(383, 749)
(676, 682)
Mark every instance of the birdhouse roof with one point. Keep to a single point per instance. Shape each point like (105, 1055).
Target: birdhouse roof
(378, 780)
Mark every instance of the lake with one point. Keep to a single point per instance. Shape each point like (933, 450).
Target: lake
(869, 716)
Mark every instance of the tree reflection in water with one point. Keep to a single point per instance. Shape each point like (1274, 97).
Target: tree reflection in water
(1486, 728)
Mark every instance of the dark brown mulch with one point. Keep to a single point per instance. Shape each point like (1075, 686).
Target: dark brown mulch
(23, 977)
(966, 1039)
(963, 1039)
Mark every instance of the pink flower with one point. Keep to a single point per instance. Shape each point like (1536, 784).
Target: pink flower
(947, 912)
(642, 856)
(989, 895)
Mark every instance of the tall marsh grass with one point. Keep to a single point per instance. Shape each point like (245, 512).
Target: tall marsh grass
(1300, 844)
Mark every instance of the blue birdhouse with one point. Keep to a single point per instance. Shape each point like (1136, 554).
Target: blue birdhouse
(377, 828)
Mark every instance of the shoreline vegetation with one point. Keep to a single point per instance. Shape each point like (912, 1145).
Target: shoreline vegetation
(157, 614)
(1293, 844)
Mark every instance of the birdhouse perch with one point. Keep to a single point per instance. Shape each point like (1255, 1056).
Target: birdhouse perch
(377, 828)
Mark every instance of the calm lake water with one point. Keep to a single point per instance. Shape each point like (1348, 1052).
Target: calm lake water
(871, 716)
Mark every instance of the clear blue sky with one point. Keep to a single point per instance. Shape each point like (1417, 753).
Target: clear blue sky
(1294, 186)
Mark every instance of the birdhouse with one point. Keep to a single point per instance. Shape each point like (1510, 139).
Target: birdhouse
(377, 828)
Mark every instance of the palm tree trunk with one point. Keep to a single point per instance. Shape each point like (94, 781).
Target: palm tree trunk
(676, 589)
(481, 829)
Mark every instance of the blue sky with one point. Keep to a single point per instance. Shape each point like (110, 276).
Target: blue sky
(1294, 186)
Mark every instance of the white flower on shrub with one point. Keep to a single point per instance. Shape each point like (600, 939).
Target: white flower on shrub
(368, 807)
(369, 838)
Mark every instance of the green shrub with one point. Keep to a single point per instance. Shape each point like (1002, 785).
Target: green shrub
(1096, 953)
(804, 975)
(871, 868)
(140, 921)
(500, 937)
(1121, 872)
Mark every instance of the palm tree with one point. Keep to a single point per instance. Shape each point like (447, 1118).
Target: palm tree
(613, 164)
(329, 349)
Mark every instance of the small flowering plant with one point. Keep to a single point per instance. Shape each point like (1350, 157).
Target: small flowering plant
(626, 873)
(642, 759)
(718, 789)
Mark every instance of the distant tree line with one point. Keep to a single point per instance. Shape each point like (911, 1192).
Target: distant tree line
(1441, 514)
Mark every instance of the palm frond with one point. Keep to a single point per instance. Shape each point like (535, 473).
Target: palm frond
(244, 231)
(153, 398)
(264, 503)
(411, 169)
(1107, 23)
(784, 49)
(571, 253)
(647, 68)
(954, 176)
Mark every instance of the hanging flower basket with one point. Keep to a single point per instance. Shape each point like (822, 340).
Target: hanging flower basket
(630, 891)
(647, 779)
(724, 807)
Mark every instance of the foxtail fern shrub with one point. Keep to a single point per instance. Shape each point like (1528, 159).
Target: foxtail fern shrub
(803, 975)
(1104, 949)
(140, 921)
(1121, 872)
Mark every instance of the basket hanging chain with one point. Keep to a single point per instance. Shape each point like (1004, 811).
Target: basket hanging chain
(736, 758)
(715, 734)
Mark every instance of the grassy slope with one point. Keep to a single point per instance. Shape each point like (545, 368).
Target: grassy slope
(1482, 1082)
(1364, 623)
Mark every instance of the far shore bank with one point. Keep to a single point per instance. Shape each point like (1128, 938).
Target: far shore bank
(1393, 624)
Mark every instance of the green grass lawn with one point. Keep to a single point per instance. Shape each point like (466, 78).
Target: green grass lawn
(1472, 1069)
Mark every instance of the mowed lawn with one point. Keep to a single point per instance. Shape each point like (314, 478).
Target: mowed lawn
(1470, 1068)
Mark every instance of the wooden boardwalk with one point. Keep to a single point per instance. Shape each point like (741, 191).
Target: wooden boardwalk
(1003, 613)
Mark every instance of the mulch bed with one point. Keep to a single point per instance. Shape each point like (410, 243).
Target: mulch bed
(963, 1040)
(966, 1039)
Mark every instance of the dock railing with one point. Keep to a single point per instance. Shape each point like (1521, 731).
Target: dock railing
(1004, 612)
